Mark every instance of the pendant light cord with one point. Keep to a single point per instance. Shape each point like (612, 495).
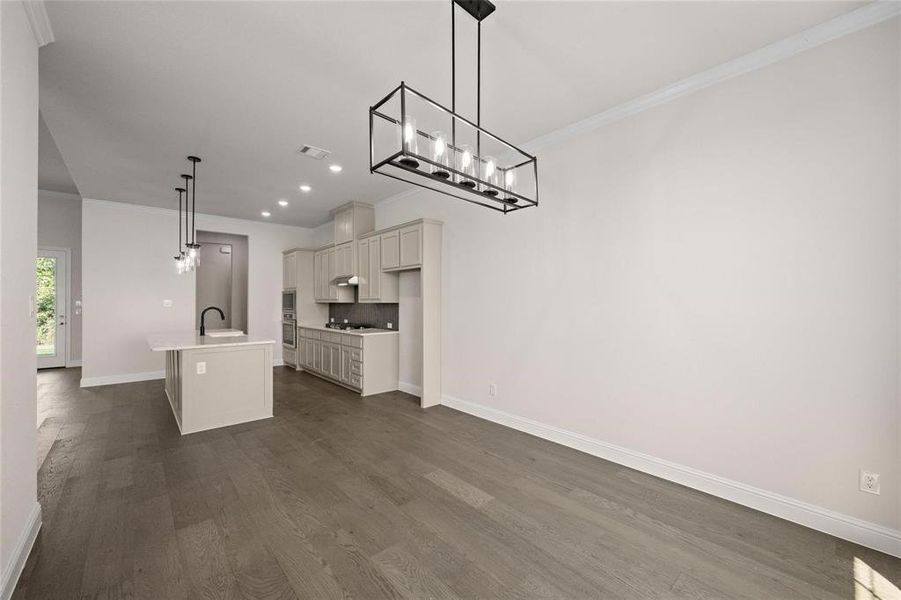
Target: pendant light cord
(179, 221)
(453, 76)
(194, 201)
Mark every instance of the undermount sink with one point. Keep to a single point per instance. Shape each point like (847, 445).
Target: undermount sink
(224, 333)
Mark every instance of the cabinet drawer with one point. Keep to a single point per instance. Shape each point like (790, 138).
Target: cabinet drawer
(328, 336)
(356, 368)
(354, 341)
(356, 381)
(309, 333)
(356, 354)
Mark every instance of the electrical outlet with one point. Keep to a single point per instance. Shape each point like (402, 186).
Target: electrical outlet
(201, 368)
(167, 303)
(869, 482)
(390, 325)
(492, 389)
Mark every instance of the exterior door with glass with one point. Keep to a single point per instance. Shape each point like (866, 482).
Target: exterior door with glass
(50, 302)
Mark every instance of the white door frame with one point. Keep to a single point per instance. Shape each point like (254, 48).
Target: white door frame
(67, 278)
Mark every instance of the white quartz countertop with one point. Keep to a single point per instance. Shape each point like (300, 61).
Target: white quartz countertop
(188, 340)
(370, 331)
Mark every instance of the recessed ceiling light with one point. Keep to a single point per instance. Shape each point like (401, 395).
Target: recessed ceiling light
(266, 213)
(335, 168)
(305, 188)
(283, 203)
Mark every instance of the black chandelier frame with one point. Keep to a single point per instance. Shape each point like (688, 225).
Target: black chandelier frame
(403, 164)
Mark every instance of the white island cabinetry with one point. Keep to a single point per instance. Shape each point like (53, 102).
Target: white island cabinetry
(216, 382)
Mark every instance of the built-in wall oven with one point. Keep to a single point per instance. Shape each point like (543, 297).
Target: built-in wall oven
(289, 327)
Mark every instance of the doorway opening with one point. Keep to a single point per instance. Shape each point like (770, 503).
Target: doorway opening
(51, 300)
(222, 279)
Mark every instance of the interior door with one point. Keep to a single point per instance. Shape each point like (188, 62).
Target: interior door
(50, 301)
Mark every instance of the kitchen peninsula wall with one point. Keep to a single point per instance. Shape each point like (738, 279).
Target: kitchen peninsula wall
(375, 314)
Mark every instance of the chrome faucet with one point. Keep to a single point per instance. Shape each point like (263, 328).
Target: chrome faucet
(203, 316)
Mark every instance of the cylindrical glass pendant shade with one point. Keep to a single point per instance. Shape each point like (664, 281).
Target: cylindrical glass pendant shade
(441, 155)
(489, 174)
(510, 186)
(410, 139)
(466, 164)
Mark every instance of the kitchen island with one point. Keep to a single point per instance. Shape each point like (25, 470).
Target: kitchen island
(216, 380)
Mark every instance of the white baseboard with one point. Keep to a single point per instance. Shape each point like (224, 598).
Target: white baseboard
(840, 525)
(73, 363)
(410, 388)
(20, 553)
(278, 363)
(124, 378)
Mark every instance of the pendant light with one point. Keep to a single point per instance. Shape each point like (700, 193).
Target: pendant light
(180, 262)
(471, 163)
(190, 253)
(193, 248)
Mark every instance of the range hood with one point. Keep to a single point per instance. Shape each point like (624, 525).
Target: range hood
(346, 280)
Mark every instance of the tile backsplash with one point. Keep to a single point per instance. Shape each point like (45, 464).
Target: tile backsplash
(377, 315)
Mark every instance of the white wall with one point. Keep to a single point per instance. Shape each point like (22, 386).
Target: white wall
(59, 225)
(128, 270)
(713, 282)
(19, 509)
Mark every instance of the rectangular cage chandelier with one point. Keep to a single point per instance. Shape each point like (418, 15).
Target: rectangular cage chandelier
(415, 139)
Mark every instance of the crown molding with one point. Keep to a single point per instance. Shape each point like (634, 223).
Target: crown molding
(36, 11)
(842, 25)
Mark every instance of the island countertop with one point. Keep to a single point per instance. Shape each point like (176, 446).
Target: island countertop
(189, 340)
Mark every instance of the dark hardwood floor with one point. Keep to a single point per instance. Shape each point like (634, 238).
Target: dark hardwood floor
(340, 497)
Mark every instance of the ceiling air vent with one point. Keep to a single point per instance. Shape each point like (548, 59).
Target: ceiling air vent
(313, 152)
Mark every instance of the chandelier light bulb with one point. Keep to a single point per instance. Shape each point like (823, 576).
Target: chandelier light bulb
(411, 143)
(509, 186)
(489, 175)
(466, 166)
(440, 155)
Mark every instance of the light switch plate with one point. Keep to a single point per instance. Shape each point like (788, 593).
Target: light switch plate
(167, 303)
(201, 368)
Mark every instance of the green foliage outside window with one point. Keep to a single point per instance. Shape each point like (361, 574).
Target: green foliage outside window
(46, 300)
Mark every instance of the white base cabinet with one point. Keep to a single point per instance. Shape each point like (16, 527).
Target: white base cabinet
(367, 363)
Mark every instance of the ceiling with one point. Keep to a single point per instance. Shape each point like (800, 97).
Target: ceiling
(129, 89)
(53, 174)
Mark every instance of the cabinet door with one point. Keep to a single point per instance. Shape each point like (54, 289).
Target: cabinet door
(335, 361)
(289, 270)
(344, 226)
(375, 271)
(411, 246)
(316, 351)
(363, 289)
(345, 364)
(390, 244)
(320, 271)
(332, 272)
(326, 358)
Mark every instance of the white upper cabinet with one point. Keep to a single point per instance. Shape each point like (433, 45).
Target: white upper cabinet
(344, 259)
(363, 288)
(289, 270)
(353, 220)
(390, 243)
(411, 246)
(375, 285)
(344, 226)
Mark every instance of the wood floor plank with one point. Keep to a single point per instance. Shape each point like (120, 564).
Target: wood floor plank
(339, 496)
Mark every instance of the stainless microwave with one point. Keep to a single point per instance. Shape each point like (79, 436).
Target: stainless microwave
(289, 301)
